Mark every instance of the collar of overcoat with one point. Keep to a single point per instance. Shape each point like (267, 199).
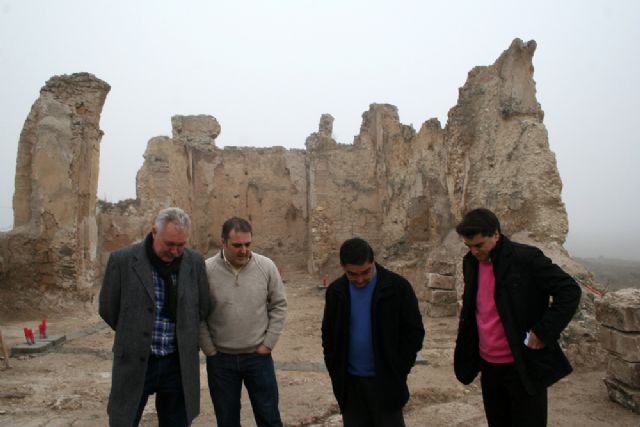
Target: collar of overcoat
(142, 267)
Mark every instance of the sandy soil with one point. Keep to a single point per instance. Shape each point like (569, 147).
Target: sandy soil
(69, 386)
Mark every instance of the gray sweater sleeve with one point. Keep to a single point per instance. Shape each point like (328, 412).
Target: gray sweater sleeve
(206, 342)
(276, 307)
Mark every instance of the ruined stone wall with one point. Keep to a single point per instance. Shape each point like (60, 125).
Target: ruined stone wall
(54, 243)
(267, 186)
(499, 154)
(405, 190)
(402, 190)
(388, 187)
(119, 225)
(344, 196)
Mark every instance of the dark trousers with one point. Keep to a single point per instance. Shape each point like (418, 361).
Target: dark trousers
(506, 402)
(163, 378)
(227, 372)
(362, 406)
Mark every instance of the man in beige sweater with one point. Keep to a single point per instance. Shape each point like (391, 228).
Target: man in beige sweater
(248, 309)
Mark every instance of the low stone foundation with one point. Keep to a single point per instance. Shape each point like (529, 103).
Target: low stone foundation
(619, 315)
(441, 295)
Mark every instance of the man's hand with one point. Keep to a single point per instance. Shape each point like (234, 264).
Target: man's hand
(535, 342)
(263, 349)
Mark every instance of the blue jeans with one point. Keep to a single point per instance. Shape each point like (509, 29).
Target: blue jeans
(164, 379)
(226, 372)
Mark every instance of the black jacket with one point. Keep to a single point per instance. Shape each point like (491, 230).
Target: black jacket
(397, 336)
(525, 281)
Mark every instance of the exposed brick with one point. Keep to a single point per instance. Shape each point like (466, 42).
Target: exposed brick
(620, 310)
(624, 344)
(441, 296)
(446, 268)
(623, 371)
(438, 281)
(442, 310)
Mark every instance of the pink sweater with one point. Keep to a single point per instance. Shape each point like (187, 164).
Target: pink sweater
(494, 347)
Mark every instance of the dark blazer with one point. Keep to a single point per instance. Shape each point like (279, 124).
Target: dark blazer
(127, 304)
(397, 336)
(525, 281)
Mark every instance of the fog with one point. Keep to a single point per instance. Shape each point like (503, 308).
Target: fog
(267, 70)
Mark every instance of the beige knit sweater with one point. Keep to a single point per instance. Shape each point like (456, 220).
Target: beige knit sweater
(248, 307)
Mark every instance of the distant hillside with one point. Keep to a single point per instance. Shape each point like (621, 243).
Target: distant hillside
(614, 274)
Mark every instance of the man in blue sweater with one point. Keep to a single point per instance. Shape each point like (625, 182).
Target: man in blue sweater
(371, 332)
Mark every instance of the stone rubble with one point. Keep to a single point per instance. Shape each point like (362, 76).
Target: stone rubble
(441, 295)
(619, 314)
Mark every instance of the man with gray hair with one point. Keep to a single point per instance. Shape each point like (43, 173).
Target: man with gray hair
(154, 295)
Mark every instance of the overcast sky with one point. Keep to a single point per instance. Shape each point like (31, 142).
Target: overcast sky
(268, 69)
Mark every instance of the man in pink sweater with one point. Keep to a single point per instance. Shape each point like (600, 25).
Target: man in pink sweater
(515, 304)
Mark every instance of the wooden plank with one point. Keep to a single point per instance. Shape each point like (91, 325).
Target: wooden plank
(4, 350)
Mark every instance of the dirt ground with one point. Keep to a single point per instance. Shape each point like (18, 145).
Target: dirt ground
(69, 386)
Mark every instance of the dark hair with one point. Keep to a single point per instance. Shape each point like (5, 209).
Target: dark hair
(237, 224)
(478, 221)
(355, 251)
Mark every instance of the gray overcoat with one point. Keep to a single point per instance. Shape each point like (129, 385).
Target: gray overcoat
(127, 304)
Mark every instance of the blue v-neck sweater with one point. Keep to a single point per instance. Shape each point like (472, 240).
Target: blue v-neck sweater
(360, 333)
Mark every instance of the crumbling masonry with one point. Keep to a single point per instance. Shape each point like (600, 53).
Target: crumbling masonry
(402, 189)
(619, 313)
